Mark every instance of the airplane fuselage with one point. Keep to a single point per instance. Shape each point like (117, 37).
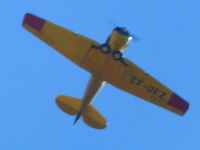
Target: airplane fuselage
(115, 44)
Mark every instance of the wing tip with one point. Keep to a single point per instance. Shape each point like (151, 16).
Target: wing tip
(33, 21)
(178, 103)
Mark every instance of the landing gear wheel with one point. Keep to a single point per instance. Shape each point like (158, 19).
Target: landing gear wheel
(117, 55)
(105, 49)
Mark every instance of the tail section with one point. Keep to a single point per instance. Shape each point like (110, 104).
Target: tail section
(72, 106)
(93, 118)
(68, 104)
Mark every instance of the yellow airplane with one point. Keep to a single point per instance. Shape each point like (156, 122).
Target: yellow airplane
(106, 64)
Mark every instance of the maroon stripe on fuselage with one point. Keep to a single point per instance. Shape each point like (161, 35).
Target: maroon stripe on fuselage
(178, 103)
(34, 21)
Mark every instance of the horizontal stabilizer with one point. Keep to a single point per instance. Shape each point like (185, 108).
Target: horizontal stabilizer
(69, 104)
(91, 116)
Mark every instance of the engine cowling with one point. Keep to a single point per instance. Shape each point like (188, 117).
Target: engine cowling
(119, 39)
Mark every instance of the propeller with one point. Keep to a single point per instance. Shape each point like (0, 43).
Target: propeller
(135, 37)
(112, 23)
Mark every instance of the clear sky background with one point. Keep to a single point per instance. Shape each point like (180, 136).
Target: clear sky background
(32, 75)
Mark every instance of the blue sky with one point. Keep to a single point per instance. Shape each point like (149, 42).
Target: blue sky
(33, 74)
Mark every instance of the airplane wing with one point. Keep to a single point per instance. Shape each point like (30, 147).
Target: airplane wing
(68, 43)
(134, 80)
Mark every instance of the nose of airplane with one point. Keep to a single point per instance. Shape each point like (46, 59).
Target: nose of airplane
(123, 31)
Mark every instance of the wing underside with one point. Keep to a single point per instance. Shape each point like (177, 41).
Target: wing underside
(135, 81)
(68, 43)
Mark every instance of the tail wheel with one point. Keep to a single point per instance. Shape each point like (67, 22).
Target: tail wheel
(117, 55)
(105, 49)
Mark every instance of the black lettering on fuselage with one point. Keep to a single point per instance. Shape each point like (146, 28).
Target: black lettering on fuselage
(162, 94)
(152, 89)
(149, 88)
(136, 81)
